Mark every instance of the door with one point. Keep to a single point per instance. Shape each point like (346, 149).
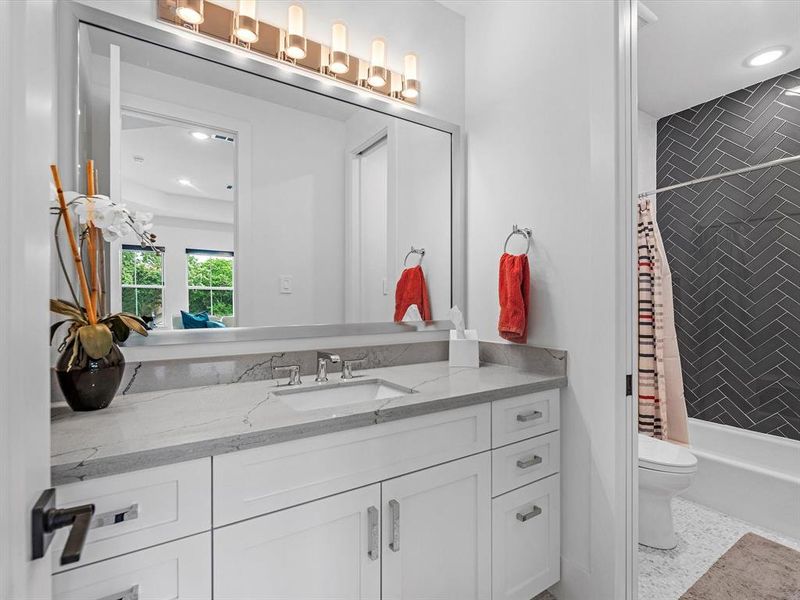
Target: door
(437, 532)
(324, 550)
(376, 299)
(27, 116)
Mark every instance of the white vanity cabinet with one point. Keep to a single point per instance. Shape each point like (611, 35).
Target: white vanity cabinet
(461, 504)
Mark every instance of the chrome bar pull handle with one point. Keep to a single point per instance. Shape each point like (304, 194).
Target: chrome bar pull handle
(129, 594)
(526, 516)
(116, 516)
(373, 526)
(527, 463)
(394, 542)
(529, 416)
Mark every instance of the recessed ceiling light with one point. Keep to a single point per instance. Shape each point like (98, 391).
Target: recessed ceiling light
(765, 57)
(199, 135)
(184, 182)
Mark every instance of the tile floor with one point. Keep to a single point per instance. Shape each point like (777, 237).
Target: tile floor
(703, 536)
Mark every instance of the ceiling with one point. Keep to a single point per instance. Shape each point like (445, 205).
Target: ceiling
(157, 154)
(696, 49)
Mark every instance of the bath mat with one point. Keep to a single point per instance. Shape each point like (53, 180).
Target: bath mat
(753, 567)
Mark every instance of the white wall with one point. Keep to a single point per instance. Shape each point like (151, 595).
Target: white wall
(541, 124)
(647, 152)
(425, 27)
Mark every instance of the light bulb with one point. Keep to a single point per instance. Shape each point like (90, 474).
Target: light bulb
(296, 41)
(377, 68)
(339, 59)
(190, 11)
(246, 26)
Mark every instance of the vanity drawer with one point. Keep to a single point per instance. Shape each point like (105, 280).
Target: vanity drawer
(522, 417)
(179, 570)
(525, 462)
(262, 480)
(138, 509)
(526, 542)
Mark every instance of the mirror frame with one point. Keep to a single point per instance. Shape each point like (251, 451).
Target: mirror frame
(71, 15)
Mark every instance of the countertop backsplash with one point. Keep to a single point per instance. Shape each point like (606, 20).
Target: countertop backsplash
(151, 376)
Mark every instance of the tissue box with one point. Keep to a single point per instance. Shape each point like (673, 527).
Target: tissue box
(464, 353)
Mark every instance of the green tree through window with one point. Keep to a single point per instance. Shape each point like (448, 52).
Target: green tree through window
(142, 282)
(210, 282)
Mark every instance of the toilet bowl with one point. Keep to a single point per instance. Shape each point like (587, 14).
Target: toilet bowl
(665, 470)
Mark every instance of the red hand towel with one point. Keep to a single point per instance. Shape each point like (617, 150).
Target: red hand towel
(515, 290)
(411, 289)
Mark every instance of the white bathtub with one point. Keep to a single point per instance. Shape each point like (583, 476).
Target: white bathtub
(752, 476)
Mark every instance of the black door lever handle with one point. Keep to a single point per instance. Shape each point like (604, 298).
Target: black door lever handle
(47, 518)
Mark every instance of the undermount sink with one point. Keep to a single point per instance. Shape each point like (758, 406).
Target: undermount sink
(341, 394)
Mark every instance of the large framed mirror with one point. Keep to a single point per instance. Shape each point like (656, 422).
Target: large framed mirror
(282, 206)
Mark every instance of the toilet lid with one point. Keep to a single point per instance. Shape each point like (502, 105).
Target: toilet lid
(659, 455)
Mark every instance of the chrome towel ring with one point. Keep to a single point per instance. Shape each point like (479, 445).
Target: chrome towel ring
(525, 232)
(419, 251)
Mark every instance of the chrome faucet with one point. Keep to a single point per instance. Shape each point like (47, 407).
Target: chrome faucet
(322, 365)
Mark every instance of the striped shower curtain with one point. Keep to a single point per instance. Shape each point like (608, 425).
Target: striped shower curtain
(662, 406)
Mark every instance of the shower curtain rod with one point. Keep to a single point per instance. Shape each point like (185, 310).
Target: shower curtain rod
(766, 165)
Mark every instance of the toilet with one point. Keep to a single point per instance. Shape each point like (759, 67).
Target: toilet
(665, 470)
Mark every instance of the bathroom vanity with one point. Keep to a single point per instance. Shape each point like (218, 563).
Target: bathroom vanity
(445, 484)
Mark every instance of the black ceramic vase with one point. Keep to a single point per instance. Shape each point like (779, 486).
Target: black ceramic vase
(90, 384)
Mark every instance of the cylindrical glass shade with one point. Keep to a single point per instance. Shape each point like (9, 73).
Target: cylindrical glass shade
(246, 26)
(378, 58)
(339, 58)
(410, 66)
(295, 38)
(377, 67)
(410, 77)
(296, 20)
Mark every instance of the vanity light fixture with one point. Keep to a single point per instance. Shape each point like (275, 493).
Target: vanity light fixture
(410, 77)
(295, 34)
(200, 135)
(190, 11)
(246, 27)
(339, 60)
(378, 75)
(765, 57)
(236, 23)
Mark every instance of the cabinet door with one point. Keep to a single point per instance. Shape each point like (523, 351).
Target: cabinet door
(328, 549)
(526, 540)
(436, 536)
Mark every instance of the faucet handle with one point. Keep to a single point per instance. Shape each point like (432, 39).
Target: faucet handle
(347, 367)
(294, 373)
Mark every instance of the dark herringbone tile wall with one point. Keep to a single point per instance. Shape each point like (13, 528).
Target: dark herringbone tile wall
(734, 249)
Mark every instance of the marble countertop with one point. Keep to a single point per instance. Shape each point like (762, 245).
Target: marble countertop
(150, 429)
